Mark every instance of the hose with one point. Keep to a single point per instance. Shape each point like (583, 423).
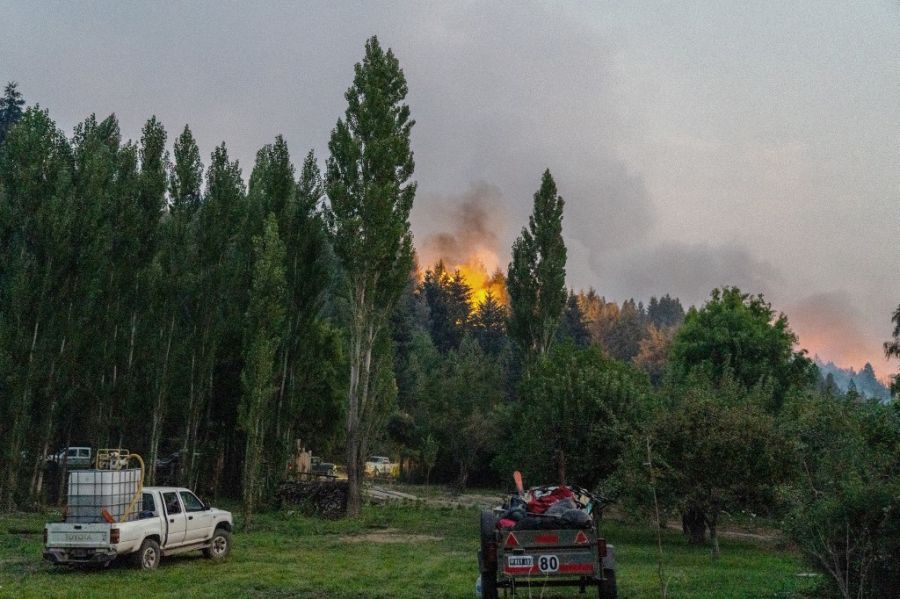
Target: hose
(140, 487)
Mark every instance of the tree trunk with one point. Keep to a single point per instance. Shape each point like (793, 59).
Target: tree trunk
(159, 409)
(357, 395)
(712, 523)
(561, 466)
(693, 524)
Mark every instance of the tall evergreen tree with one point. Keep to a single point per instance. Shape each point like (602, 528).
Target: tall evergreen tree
(370, 195)
(489, 325)
(537, 274)
(10, 109)
(448, 299)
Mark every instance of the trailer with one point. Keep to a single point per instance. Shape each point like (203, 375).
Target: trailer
(540, 551)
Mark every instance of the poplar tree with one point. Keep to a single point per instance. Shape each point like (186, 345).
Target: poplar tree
(35, 177)
(176, 285)
(218, 294)
(536, 277)
(371, 195)
(262, 336)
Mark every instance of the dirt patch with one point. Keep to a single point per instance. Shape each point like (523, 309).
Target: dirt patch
(389, 535)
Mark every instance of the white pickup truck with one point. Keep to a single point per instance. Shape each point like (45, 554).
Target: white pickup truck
(170, 520)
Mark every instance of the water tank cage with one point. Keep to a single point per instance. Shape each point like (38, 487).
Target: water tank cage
(96, 496)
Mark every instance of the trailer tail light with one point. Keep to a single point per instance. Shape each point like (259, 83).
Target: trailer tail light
(581, 538)
(601, 548)
(511, 541)
(113, 535)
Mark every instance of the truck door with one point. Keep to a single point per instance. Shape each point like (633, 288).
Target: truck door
(199, 519)
(175, 519)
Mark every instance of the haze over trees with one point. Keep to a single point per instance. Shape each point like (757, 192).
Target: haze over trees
(154, 299)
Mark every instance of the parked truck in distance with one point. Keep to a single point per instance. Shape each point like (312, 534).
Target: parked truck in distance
(170, 520)
(381, 466)
(72, 457)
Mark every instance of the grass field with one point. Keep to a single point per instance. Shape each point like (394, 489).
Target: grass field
(390, 552)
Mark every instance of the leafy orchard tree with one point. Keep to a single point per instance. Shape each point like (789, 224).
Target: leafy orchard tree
(714, 449)
(736, 334)
(577, 411)
(370, 196)
(844, 498)
(262, 337)
(536, 277)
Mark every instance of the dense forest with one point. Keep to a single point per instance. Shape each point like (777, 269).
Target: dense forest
(156, 299)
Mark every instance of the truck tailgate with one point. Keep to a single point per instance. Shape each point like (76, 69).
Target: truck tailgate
(549, 553)
(77, 535)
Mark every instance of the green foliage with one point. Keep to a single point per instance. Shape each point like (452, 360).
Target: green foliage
(576, 412)
(739, 335)
(892, 349)
(10, 109)
(536, 277)
(713, 448)
(844, 499)
(264, 322)
(665, 312)
(370, 196)
(448, 299)
(489, 325)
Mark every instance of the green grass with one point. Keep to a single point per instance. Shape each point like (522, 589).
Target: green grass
(289, 555)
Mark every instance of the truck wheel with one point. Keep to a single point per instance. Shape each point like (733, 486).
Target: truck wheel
(488, 555)
(147, 557)
(219, 545)
(607, 589)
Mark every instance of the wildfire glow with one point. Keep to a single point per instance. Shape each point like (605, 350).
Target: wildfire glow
(476, 276)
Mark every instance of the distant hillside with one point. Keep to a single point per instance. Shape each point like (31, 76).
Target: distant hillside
(864, 380)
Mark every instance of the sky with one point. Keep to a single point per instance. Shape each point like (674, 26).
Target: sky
(697, 144)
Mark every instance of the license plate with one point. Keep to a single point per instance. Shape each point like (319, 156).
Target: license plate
(548, 563)
(519, 561)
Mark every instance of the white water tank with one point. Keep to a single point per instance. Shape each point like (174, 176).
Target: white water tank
(92, 491)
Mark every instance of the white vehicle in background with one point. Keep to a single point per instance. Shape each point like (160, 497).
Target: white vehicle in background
(169, 520)
(72, 457)
(379, 466)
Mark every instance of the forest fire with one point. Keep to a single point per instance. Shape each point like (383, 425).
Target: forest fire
(476, 276)
(468, 243)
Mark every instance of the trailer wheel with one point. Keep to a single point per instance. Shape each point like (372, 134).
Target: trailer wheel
(488, 555)
(147, 557)
(607, 588)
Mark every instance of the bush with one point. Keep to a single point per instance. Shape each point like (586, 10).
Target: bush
(845, 501)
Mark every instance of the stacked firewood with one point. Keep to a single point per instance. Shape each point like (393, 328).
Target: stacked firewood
(326, 498)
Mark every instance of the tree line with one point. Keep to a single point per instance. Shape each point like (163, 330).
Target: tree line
(160, 302)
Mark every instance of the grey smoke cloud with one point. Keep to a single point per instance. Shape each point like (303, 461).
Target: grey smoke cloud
(688, 271)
